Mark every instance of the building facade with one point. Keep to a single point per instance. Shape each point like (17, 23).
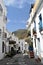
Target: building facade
(23, 45)
(3, 20)
(36, 25)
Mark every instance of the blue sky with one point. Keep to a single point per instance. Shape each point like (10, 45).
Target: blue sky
(17, 13)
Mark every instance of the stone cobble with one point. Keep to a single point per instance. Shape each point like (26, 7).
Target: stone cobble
(19, 59)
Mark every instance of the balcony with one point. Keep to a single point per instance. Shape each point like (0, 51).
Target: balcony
(12, 42)
(34, 31)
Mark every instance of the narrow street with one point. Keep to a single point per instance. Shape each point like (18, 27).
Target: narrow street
(21, 32)
(19, 59)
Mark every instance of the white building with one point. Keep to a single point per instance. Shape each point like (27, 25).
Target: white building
(12, 41)
(7, 41)
(37, 29)
(3, 20)
(23, 45)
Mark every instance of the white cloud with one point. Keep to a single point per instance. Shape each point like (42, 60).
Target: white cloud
(9, 2)
(17, 3)
(19, 22)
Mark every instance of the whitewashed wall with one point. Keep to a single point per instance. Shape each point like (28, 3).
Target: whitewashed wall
(2, 24)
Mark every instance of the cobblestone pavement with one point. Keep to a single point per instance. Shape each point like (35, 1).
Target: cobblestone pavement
(19, 59)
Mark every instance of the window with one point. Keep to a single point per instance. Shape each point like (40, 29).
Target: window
(19, 42)
(38, 39)
(5, 35)
(25, 46)
(40, 17)
(34, 25)
(2, 47)
(5, 49)
(40, 22)
(34, 29)
(22, 46)
(35, 41)
(14, 46)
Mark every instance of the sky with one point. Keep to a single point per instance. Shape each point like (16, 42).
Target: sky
(17, 13)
